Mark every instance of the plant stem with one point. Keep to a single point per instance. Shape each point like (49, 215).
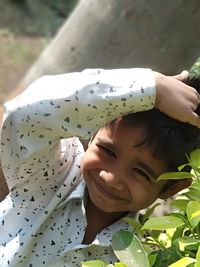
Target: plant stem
(196, 175)
(157, 243)
(198, 230)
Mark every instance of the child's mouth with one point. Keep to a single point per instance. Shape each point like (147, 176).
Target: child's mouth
(106, 192)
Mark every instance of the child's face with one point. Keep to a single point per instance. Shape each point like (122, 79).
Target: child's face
(120, 176)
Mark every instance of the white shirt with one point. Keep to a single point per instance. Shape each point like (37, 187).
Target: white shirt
(43, 218)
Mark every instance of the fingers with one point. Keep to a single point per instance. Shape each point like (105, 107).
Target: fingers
(198, 96)
(195, 120)
(195, 115)
(177, 99)
(182, 76)
(198, 110)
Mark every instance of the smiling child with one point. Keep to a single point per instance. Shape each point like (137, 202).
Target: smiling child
(64, 204)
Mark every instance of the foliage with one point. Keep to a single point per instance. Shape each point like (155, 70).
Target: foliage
(165, 241)
(195, 68)
(62, 7)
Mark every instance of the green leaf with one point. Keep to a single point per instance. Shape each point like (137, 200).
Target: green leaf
(195, 158)
(164, 239)
(174, 176)
(193, 212)
(188, 243)
(184, 165)
(177, 234)
(159, 259)
(134, 223)
(152, 258)
(155, 234)
(197, 264)
(150, 211)
(192, 194)
(195, 185)
(128, 249)
(181, 204)
(95, 263)
(163, 223)
(120, 264)
(183, 262)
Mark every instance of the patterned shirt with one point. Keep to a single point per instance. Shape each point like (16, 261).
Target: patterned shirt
(43, 219)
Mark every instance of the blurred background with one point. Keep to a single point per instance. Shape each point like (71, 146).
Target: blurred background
(26, 28)
(56, 36)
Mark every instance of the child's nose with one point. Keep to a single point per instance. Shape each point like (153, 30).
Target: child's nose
(113, 179)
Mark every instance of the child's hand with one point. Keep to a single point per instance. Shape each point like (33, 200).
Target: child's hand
(176, 99)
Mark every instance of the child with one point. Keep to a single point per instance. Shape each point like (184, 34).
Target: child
(64, 205)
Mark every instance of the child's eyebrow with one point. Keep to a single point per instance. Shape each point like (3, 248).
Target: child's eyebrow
(108, 143)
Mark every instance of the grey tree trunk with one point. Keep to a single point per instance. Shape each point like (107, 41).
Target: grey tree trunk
(161, 34)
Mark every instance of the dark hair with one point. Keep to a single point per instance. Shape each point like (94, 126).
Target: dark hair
(169, 139)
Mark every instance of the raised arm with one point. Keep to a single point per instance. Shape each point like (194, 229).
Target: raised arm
(78, 104)
(62, 106)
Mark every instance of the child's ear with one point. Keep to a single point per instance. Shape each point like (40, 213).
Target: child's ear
(174, 188)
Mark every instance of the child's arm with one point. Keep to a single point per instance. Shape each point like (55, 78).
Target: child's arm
(177, 99)
(57, 107)
(75, 104)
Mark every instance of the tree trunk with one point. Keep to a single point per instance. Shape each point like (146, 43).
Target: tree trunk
(163, 35)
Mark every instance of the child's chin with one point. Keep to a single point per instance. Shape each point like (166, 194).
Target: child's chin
(107, 209)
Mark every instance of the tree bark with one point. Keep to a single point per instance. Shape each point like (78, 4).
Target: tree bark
(163, 35)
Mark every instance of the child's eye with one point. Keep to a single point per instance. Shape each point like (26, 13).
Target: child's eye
(107, 150)
(142, 173)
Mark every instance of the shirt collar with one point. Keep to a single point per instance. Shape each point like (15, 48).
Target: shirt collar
(104, 238)
(79, 191)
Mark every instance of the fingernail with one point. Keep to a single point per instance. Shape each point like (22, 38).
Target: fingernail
(185, 73)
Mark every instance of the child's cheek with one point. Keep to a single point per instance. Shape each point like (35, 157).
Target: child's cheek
(142, 194)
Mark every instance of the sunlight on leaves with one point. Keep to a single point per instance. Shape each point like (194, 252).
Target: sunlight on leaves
(197, 264)
(95, 263)
(195, 158)
(185, 243)
(192, 194)
(193, 213)
(163, 223)
(165, 240)
(129, 249)
(120, 264)
(183, 262)
(174, 176)
(180, 204)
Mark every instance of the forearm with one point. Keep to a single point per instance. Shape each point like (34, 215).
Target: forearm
(76, 104)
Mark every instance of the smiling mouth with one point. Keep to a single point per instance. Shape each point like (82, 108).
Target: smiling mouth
(106, 192)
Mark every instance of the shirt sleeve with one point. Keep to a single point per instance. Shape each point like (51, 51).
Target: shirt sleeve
(74, 104)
